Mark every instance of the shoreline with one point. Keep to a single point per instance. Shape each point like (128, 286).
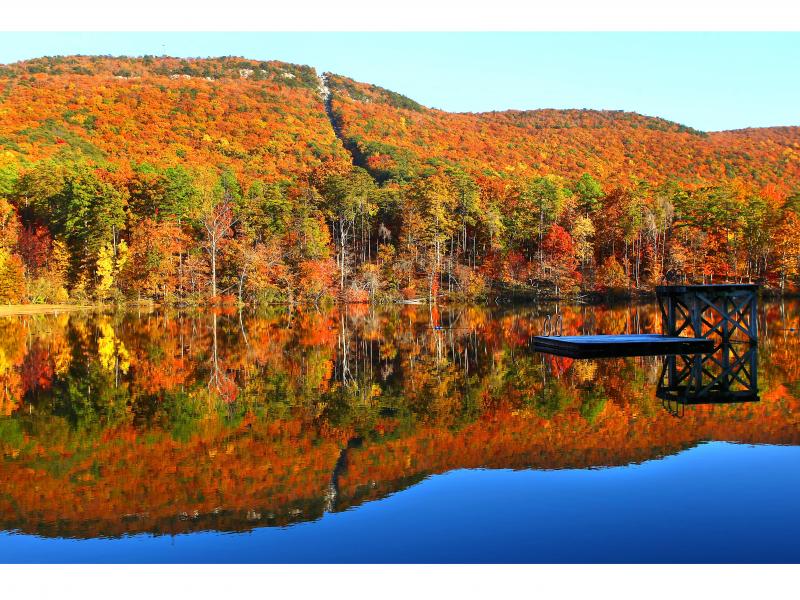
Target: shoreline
(11, 310)
(590, 299)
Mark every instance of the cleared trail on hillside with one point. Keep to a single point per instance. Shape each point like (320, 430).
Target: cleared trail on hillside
(356, 157)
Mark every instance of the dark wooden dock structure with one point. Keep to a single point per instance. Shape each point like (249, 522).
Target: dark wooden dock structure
(715, 316)
(726, 314)
(728, 310)
(599, 346)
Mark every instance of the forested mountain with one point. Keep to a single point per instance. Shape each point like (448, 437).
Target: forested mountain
(204, 179)
(398, 138)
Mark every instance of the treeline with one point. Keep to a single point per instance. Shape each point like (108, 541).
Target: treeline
(74, 232)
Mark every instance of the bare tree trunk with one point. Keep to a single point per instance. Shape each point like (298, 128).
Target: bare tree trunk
(213, 251)
(342, 252)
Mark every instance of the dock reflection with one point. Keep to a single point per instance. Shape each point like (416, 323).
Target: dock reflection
(727, 375)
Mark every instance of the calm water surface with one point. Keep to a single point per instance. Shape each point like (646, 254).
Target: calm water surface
(402, 435)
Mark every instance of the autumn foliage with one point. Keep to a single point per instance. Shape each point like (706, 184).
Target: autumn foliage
(219, 180)
(170, 423)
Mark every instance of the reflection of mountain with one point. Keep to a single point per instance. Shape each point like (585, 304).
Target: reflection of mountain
(279, 472)
(115, 426)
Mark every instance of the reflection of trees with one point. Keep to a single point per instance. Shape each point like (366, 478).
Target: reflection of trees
(593, 401)
(340, 367)
(219, 382)
(265, 425)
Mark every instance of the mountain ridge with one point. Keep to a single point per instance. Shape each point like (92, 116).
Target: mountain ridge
(50, 65)
(392, 135)
(617, 145)
(523, 111)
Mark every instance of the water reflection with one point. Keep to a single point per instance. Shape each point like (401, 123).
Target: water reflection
(728, 375)
(168, 423)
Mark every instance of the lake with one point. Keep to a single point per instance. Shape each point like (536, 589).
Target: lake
(403, 434)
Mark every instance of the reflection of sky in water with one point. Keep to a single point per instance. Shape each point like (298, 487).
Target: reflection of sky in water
(277, 446)
(717, 502)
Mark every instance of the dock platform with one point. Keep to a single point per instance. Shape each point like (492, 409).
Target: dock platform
(599, 346)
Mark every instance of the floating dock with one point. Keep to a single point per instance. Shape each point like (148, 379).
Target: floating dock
(599, 346)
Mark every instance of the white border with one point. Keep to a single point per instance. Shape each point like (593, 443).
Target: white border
(390, 582)
(402, 15)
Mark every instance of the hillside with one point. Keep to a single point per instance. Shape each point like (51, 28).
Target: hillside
(212, 180)
(397, 137)
(261, 119)
(267, 119)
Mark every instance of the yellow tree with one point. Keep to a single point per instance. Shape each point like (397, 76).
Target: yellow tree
(429, 220)
(109, 264)
(12, 272)
(787, 247)
(582, 233)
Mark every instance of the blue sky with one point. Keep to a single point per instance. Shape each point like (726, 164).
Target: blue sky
(709, 81)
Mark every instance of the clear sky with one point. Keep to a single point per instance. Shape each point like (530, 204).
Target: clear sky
(709, 81)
